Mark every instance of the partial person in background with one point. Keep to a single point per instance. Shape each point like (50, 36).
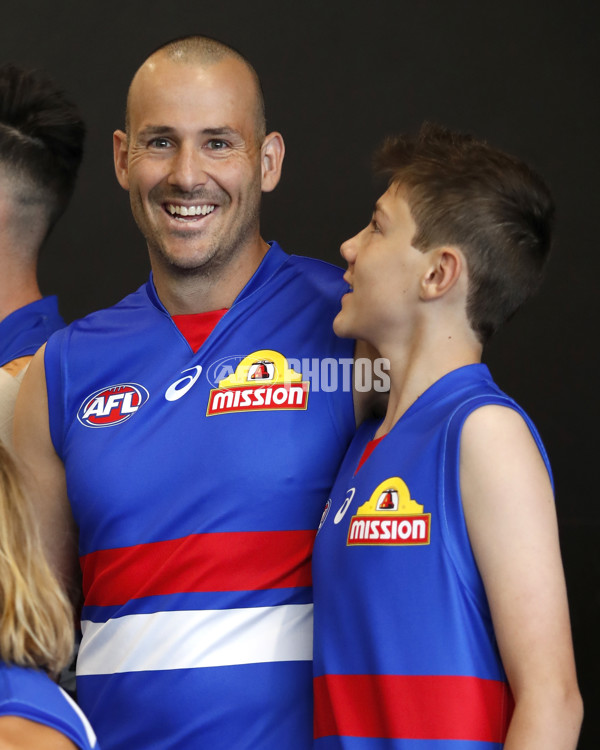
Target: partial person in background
(41, 145)
(441, 616)
(36, 634)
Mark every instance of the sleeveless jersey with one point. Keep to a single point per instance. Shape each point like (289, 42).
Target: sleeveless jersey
(31, 694)
(26, 329)
(405, 652)
(197, 482)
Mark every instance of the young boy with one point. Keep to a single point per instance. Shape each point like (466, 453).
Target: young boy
(441, 618)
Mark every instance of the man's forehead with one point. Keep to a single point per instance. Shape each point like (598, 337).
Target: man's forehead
(160, 68)
(162, 83)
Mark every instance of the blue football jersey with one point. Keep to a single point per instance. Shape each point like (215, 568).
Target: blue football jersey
(405, 652)
(31, 694)
(26, 329)
(197, 482)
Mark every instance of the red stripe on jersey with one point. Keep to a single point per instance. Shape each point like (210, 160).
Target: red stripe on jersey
(412, 707)
(197, 327)
(369, 448)
(236, 561)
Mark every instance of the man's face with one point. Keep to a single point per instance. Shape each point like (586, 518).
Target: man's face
(384, 271)
(192, 163)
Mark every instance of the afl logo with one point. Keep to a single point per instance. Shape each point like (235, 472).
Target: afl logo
(113, 405)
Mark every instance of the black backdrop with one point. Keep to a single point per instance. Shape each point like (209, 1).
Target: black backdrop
(338, 76)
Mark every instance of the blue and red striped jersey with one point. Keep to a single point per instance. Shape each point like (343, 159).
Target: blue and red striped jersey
(197, 481)
(405, 652)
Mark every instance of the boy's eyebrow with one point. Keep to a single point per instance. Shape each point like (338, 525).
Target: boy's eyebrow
(378, 209)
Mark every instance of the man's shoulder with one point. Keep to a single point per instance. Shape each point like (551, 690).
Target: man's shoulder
(134, 303)
(296, 280)
(323, 277)
(121, 322)
(316, 267)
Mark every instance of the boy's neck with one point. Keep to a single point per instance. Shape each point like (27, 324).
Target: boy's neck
(420, 363)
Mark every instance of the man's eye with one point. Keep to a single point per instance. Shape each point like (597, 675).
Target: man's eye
(159, 143)
(374, 226)
(216, 145)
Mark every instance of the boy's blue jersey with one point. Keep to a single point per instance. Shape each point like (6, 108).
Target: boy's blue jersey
(405, 651)
(31, 694)
(197, 483)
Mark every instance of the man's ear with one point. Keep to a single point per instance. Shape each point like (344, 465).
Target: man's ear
(445, 268)
(271, 159)
(121, 158)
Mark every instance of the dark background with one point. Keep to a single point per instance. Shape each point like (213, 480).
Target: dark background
(338, 77)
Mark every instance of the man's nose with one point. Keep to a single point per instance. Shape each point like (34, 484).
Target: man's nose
(188, 169)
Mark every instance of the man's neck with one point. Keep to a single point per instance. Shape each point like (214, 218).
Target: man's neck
(183, 294)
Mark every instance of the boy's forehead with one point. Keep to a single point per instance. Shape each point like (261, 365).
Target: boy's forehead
(393, 204)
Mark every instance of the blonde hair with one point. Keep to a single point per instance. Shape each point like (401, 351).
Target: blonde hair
(36, 629)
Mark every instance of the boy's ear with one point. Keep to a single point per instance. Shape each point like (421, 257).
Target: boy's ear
(446, 266)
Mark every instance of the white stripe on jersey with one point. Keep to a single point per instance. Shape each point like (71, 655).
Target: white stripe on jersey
(192, 639)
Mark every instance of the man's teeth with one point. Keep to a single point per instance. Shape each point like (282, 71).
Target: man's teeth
(189, 210)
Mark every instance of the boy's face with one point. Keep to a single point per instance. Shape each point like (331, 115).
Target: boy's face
(384, 271)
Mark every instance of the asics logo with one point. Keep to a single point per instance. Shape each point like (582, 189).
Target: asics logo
(345, 505)
(180, 387)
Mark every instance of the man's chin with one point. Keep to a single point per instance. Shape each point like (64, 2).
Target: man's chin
(182, 265)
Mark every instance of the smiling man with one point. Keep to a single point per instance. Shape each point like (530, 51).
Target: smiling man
(195, 160)
(179, 447)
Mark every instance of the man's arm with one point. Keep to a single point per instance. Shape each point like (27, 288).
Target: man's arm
(511, 519)
(45, 476)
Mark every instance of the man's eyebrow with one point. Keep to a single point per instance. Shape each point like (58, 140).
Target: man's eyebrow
(154, 130)
(157, 130)
(221, 131)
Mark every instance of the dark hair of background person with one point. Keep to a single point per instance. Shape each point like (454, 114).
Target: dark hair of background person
(41, 138)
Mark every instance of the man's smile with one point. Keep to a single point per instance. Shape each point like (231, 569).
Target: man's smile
(187, 213)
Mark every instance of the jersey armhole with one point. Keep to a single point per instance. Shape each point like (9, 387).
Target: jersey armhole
(454, 528)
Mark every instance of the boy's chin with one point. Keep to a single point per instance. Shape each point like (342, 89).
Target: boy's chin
(342, 327)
